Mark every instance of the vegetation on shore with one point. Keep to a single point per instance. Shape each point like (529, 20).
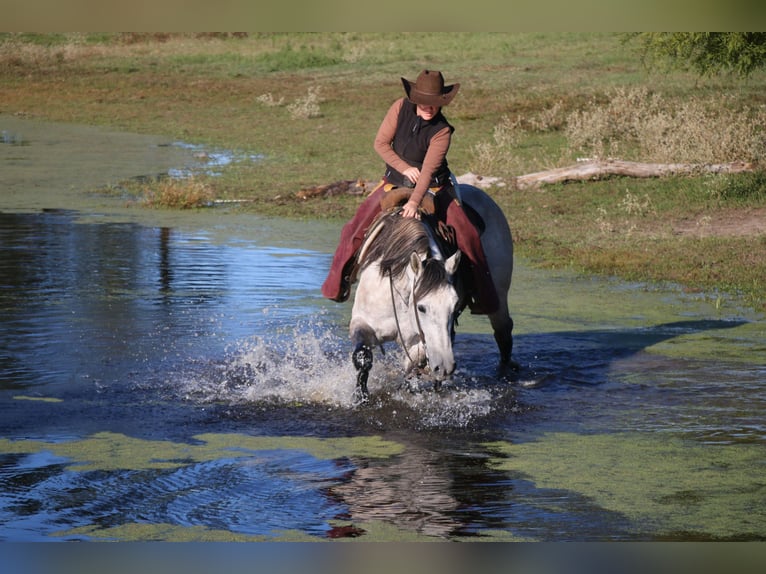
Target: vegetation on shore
(308, 105)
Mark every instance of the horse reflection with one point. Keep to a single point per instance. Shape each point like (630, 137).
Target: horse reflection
(413, 491)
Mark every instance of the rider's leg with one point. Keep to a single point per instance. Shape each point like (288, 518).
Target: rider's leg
(337, 285)
(469, 242)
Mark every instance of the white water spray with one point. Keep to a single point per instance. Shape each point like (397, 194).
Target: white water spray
(310, 365)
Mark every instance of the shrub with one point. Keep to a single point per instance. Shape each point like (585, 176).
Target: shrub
(499, 155)
(306, 107)
(185, 193)
(637, 122)
(743, 187)
(268, 100)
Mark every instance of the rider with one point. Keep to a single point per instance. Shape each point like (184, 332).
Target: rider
(413, 140)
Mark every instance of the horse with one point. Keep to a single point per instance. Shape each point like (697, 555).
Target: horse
(410, 290)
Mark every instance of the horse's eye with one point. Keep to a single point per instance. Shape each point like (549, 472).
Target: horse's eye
(421, 308)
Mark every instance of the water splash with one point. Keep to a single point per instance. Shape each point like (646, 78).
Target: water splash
(303, 364)
(310, 366)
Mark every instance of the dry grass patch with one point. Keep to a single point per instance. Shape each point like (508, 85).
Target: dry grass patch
(187, 193)
(636, 123)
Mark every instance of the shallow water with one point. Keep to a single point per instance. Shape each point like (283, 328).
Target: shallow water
(174, 376)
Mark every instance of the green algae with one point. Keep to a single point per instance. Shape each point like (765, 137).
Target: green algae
(662, 484)
(321, 448)
(135, 532)
(142, 532)
(494, 535)
(60, 161)
(736, 344)
(373, 531)
(381, 531)
(112, 451)
(39, 399)
(658, 319)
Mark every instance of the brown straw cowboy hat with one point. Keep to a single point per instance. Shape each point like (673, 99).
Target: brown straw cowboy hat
(429, 89)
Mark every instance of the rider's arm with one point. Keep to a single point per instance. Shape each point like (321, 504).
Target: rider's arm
(437, 151)
(385, 136)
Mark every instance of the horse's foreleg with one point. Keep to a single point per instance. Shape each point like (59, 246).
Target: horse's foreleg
(362, 359)
(502, 325)
(363, 338)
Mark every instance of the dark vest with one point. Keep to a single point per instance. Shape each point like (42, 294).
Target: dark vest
(411, 140)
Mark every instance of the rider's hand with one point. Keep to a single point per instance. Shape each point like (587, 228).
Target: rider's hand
(410, 209)
(412, 173)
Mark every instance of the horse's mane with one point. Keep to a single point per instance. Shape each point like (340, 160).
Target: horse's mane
(396, 240)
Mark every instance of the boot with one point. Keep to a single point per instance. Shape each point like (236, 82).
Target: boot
(339, 289)
(337, 285)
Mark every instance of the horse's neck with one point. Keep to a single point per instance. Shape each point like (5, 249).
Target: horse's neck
(391, 289)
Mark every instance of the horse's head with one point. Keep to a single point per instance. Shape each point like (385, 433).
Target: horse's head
(432, 307)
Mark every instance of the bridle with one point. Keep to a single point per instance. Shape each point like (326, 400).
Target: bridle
(437, 254)
(414, 300)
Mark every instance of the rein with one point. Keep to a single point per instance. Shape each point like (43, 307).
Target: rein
(396, 317)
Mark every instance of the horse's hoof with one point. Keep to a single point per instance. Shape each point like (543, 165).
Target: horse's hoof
(510, 364)
(443, 385)
(413, 387)
(361, 398)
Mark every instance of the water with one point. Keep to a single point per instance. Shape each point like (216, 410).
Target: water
(179, 377)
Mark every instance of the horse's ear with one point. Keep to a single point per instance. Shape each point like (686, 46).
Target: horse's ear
(416, 265)
(451, 265)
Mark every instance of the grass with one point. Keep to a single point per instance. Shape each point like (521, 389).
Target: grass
(311, 104)
(175, 193)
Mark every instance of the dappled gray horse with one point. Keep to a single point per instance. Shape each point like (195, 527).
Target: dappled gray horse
(410, 292)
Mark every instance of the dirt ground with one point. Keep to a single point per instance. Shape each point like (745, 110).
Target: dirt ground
(729, 223)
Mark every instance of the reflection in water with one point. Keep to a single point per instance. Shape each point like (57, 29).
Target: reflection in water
(143, 339)
(77, 297)
(414, 491)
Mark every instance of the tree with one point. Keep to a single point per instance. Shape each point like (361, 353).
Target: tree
(708, 53)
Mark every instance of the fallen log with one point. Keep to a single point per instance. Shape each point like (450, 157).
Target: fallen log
(599, 169)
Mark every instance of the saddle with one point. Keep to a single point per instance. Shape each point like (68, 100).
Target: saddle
(396, 197)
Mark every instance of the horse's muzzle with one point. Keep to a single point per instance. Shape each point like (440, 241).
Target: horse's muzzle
(443, 371)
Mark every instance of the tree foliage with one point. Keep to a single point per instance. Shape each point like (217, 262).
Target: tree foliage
(708, 53)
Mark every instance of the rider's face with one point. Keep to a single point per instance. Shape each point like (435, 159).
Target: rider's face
(427, 112)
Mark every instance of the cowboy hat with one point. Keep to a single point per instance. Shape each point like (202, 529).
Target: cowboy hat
(429, 89)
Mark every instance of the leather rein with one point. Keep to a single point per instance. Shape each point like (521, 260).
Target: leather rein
(436, 252)
(396, 317)
(447, 234)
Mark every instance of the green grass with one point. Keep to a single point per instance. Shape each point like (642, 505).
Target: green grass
(206, 88)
